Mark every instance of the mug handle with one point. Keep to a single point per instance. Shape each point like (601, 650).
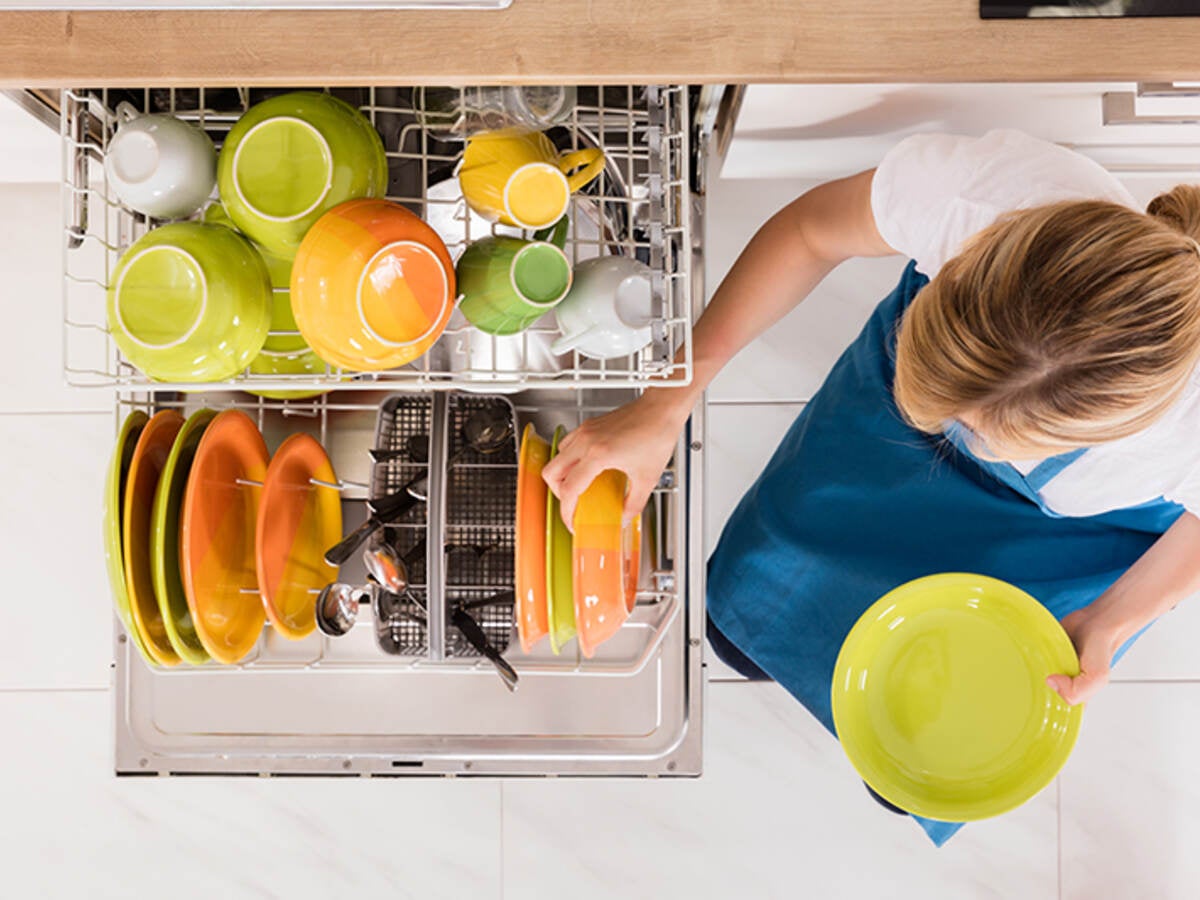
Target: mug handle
(569, 342)
(555, 234)
(592, 161)
(126, 112)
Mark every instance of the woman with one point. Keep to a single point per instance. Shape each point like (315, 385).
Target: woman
(1025, 404)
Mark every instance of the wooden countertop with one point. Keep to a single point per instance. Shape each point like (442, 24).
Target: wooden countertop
(610, 41)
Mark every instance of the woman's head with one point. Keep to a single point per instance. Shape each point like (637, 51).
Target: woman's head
(1057, 327)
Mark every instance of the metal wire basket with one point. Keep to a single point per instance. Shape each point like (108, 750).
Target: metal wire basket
(637, 207)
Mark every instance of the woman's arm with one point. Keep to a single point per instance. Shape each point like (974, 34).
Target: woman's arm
(780, 266)
(1166, 573)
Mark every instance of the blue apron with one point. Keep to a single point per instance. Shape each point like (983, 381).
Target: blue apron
(854, 502)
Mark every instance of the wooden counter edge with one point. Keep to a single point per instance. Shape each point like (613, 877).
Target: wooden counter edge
(619, 41)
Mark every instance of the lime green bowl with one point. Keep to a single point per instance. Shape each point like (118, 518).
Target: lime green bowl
(292, 158)
(190, 303)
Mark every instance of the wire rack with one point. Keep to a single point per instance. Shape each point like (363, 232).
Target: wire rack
(637, 207)
(467, 546)
(478, 529)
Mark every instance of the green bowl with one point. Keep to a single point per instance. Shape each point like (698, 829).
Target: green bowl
(292, 158)
(190, 303)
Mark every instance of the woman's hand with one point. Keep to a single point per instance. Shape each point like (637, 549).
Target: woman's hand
(637, 439)
(1095, 643)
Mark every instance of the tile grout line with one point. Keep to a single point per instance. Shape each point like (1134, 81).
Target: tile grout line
(55, 412)
(54, 690)
(1058, 829)
(503, 785)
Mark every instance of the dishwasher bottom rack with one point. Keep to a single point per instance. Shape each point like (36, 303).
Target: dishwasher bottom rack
(341, 705)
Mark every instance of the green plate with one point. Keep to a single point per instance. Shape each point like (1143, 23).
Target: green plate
(114, 502)
(164, 540)
(940, 697)
(560, 590)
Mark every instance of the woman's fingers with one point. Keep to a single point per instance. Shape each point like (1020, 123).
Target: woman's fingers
(574, 483)
(635, 501)
(1079, 689)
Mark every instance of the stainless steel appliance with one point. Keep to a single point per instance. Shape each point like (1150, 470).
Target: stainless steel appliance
(341, 705)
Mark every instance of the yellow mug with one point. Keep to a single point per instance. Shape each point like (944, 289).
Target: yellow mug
(519, 178)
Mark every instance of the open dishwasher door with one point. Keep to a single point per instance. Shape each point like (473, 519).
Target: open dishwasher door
(342, 706)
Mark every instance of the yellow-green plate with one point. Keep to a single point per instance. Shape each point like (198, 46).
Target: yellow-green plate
(559, 580)
(164, 540)
(940, 697)
(114, 504)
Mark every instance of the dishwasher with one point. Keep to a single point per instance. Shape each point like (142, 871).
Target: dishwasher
(324, 706)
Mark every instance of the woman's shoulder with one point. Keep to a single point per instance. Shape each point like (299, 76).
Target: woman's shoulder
(933, 191)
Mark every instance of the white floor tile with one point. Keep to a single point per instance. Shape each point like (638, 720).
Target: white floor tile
(71, 829)
(741, 439)
(1131, 796)
(791, 360)
(60, 610)
(778, 813)
(1168, 649)
(31, 242)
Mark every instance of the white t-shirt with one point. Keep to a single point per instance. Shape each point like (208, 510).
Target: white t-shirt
(932, 192)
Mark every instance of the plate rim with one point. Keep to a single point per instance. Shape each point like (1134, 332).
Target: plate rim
(300, 445)
(978, 809)
(212, 436)
(159, 539)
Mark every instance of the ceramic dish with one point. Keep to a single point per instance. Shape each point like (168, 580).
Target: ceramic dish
(532, 622)
(560, 601)
(292, 158)
(605, 558)
(190, 302)
(216, 541)
(297, 522)
(372, 286)
(164, 540)
(145, 470)
(283, 353)
(114, 503)
(940, 697)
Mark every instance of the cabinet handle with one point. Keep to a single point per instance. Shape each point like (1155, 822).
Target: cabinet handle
(1120, 107)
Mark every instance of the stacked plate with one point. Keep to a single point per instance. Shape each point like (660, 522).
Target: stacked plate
(580, 585)
(207, 536)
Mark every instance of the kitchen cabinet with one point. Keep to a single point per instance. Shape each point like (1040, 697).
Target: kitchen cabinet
(826, 131)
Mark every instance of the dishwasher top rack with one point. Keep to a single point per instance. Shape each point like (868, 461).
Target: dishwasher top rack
(638, 207)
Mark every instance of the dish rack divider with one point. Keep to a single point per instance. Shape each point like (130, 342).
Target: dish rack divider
(637, 207)
(659, 599)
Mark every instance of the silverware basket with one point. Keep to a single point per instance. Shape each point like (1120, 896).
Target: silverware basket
(467, 525)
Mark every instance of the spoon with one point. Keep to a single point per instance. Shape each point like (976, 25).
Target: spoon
(386, 567)
(337, 608)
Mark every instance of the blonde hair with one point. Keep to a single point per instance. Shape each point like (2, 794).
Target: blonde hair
(1058, 327)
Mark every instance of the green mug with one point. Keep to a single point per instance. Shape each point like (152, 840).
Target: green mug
(508, 283)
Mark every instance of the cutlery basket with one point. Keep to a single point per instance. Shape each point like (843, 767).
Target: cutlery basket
(467, 525)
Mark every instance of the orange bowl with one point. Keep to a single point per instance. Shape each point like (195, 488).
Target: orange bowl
(372, 286)
(605, 559)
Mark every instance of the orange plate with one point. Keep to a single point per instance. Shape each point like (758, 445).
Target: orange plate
(532, 619)
(149, 458)
(216, 540)
(297, 522)
(605, 561)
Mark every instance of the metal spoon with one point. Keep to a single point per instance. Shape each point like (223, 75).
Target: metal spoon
(337, 608)
(386, 567)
